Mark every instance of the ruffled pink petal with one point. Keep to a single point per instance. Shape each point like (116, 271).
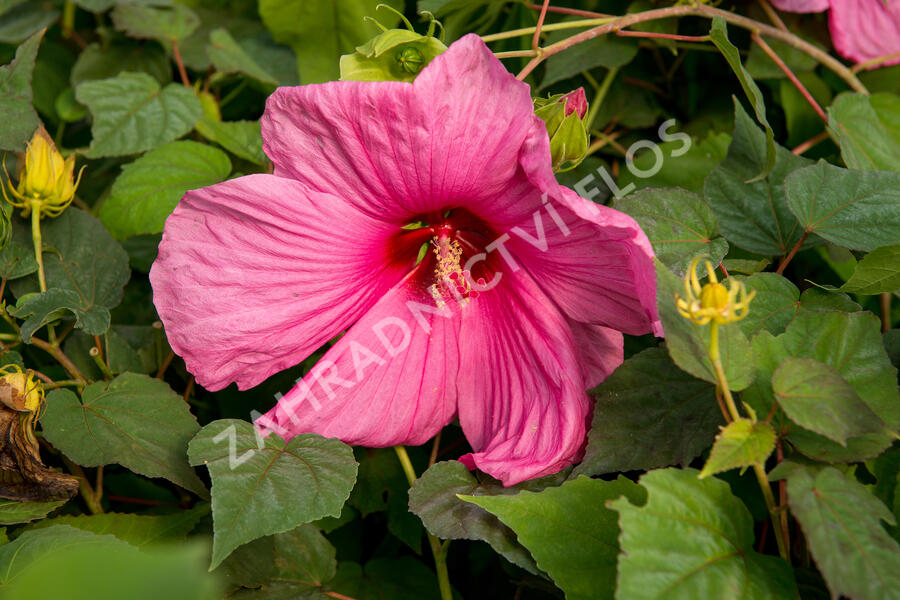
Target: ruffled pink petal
(863, 30)
(600, 351)
(801, 6)
(391, 379)
(451, 138)
(256, 273)
(522, 400)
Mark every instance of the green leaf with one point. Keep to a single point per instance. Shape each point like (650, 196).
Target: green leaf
(602, 51)
(270, 489)
(741, 443)
(688, 343)
(719, 36)
(434, 498)
(99, 62)
(754, 215)
(688, 172)
(137, 530)
(85, 269)
(693, 539)
(776, 303)
(568, 530)
(241, 138)
(132, 114)
(17, 260)
(65, 562)
(761, 66)
(149, 189)
(20, 120)
(869, 140)
(228, 57)
(841, 520)
(877, 273)
(12, 512)
(679, 224)
(402, 578)
(304, 563)
(46, 307)
(649, 414)
(815, 396)
(134, 420)
(851, 345)
(27, 19)
(854, 209)
(164, 24)
(320, 31)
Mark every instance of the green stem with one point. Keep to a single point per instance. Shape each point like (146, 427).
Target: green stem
(505, 35)
(90, 496)
(39, 257)
(101, 364)
(437, 549)
(758, 468)
(68, 18)
(599, 94)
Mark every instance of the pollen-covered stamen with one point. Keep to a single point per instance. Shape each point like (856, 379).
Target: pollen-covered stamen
(451, 281)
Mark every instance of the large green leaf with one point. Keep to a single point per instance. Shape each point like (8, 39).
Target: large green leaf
(134, 420)
(688, 172)
(649, 414)
(776, 303)
(602, 51)
(103, 62)
(85, 270)
(137, 530)
(132, 114)
(434, 498)
(854, 209)
(149, 189)
(878, 272)
(17, 260)
(229, 57)
(241, 138)
(271, 487)
(27, 19)
(719, 36)
(20, 120)
(741, 443)
(851, 345)
(569, 531)
(163, 23)
(693, 539)
(753, 215)
(869, 138)
(688, 343)
(841, 520)
(320, 31)
(679, 224)
(64, 562)
(46, 307)
(815, 396)
(12, 512)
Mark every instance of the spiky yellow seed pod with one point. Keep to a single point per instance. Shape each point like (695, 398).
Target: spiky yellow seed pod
(46, 181)
(713, 301)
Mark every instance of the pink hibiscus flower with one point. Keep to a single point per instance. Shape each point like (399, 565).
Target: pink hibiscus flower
(861, 30)
(425, 220)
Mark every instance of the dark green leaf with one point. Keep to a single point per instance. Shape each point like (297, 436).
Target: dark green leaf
(854, 209)
(12, 512)
(755, 215)
(27, 19)
(878, 272)
(776, 303)
(132, 114)
(47, 307)
(386, 578)
(719, 36)
(693, 539)
(164, 24)
(271, 487)
(568, 530)
(134, 420)
(20, 120)
(148, 189)
(649, 414)
(433, 497)
(228, 57)
(99, 62)
(679, 224)
(17, 260)
(842, 523)
(688, 171)
(602, 51)
(241, 138)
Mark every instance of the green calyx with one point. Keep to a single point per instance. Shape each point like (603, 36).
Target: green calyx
(568, 136)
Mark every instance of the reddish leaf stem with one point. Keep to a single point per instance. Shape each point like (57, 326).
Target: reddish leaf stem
(569, 11)
(176, 54)
(790, 75)
(810, 143)
(792, 253)
(536, 39)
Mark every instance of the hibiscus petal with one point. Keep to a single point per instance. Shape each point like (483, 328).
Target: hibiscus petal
(522, 403)
(801, 6)
(391, 379)
(863, 30)
(253, 276)
(398, 149)
(600, 349)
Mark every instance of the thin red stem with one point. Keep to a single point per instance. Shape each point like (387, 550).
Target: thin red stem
(569, 11)
(793, 252)
(176, 53)
(810, 143)
(663, 36)
(790, 75)
(536, 40)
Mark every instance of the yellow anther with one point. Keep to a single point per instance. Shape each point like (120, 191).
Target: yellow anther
(713, 301)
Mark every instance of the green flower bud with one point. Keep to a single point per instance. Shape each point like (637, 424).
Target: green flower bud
(564, 114)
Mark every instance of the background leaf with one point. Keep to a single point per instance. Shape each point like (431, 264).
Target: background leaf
(878, 272)
(20, 118)
(741, 443)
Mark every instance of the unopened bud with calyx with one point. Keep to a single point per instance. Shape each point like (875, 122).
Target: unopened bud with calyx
(394, 54)
(47, 182)
(564, 114)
